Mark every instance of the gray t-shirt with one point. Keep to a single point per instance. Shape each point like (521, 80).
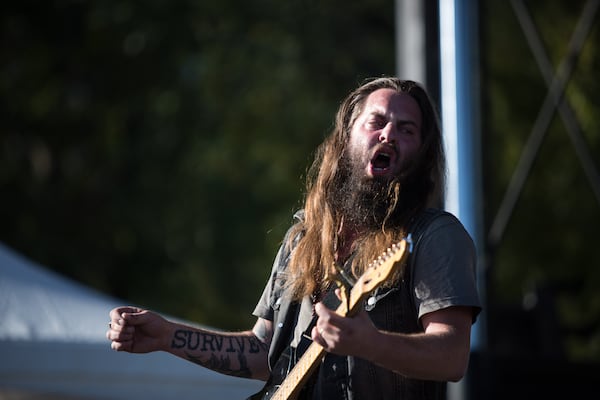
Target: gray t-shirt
(444, 271)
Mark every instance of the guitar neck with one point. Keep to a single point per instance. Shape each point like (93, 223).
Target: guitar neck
(296, 379)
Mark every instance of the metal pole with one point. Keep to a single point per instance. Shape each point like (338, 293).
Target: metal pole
(459, 66)
(410, 40)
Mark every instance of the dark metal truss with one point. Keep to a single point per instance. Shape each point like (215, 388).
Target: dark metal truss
(554, 100)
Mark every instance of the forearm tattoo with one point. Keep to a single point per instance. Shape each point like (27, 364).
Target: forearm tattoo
(215, 351)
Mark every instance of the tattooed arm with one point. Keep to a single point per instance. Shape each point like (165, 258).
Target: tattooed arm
(243, 354)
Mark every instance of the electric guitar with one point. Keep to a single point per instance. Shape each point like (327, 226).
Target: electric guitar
(376, 273)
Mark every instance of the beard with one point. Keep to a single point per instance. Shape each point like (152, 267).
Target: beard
(363, 202)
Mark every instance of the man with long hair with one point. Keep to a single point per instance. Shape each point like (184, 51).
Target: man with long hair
(376, 180)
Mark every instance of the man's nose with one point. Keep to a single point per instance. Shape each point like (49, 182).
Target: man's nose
(388, 133)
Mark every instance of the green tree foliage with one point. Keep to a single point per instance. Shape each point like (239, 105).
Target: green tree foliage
(550, 245)
(156, 149)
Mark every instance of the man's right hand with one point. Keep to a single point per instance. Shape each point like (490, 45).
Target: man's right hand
(136, 330)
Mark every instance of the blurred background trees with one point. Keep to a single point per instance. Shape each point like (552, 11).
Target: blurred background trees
(156, 150)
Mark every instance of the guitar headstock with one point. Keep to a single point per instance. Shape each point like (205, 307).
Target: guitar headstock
(381, 268)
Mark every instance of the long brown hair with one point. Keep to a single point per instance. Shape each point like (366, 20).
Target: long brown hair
(313, 257)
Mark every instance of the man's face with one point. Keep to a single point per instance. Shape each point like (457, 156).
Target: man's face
(385, 135)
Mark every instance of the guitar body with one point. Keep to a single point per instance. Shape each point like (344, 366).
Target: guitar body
(288, 377)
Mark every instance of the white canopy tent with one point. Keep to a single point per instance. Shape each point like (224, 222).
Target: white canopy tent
(52, 345)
